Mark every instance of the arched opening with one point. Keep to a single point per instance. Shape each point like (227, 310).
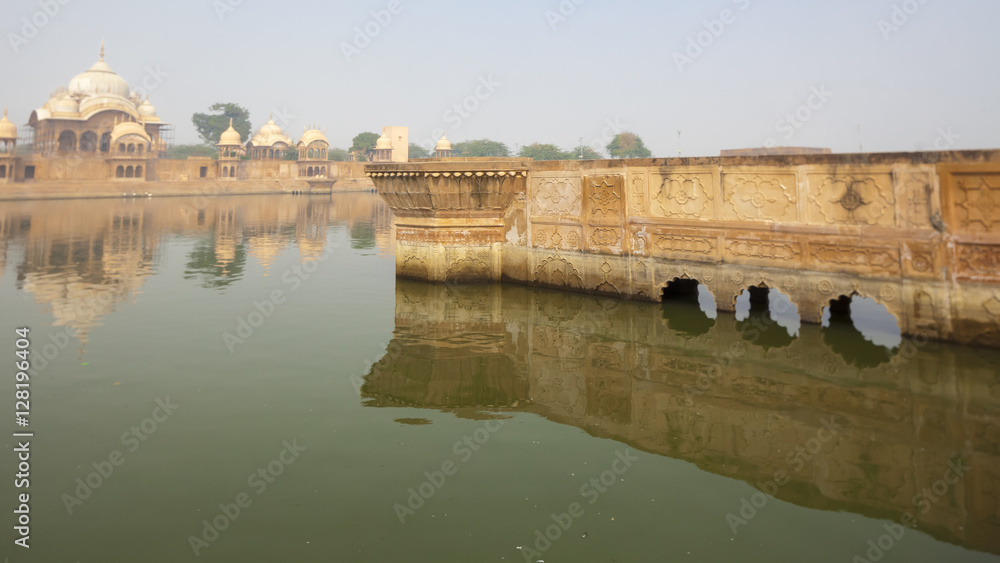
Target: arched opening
(129, 172)
(105, 142)
(120, 172)
(139, 148)
(270, 153)
(759, 309)
(131, 148)
(3, 170)
(309, 152)
(324, 171)
(324, 154)
(689, 307)
(309, 172)
(121, 147)
(138, 171)
(67, 141)
(861, 330)
(88, 142)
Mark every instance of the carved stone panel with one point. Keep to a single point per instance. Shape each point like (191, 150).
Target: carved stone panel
(978, 262)
(752, 197)
(865, 259)
(554, 197)
(782, 253)
(560, 237)
(638, 192)
(604, 199)
(558, 271)
(861, 199)
(667, 244)
(605, 240)
(919, 208)
(977, 203)
(685, 196)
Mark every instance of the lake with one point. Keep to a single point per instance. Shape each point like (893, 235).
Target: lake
(244, 379)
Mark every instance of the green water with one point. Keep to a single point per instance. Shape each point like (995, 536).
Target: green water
(354, 394)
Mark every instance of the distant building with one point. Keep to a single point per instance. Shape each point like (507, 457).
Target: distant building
(775, 151)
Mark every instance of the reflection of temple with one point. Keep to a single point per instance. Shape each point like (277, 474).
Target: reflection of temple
(719, 400)
(83, 259)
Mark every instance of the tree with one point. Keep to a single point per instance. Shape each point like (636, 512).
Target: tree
(291, 153)
(211, 126)
(628, 145)
(540, 151)
(480, 148)
(364, 143)
(588, 153)
(417, 151)
(339, 155)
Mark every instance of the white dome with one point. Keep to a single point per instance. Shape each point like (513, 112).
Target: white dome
(230, 136)
(100, 79)
(444, 144)
(7, 129)
(147, 109)
(66, 104)
(383, 143)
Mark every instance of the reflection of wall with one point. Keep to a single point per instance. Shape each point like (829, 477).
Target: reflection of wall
(82, 259)
(615, 369)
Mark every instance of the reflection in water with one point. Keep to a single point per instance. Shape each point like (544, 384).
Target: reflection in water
(85, 258)
(623, 371)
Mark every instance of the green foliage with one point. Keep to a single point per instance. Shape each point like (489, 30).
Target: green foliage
(291, 153)
(540, 151)
(181, 152)
(588, 154)
(628, 145)
(340, 155)
(417, 151)
(211, 126)
(364, 143)
(481, 148)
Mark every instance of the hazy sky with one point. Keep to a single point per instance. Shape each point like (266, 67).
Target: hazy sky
(541, 71)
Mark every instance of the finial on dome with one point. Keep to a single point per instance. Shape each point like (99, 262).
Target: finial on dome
(230, 121)
(102, 49)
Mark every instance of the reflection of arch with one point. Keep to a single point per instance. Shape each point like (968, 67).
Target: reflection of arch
(67, 141)
(105, 142)
(88, 141)
(129, 172)
(120, 172)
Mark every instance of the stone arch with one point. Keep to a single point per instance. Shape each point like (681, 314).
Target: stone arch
(120, 171)
(88, 141)
(121, 148)
(138, 171)
(309, 153)
(765, 306)
(3, 170)
(868, 316)
(129, 172)
(131, 148)
(67, 141)
(105, 142)
(688, 306)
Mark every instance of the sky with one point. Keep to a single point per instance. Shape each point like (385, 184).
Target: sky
(688, 77)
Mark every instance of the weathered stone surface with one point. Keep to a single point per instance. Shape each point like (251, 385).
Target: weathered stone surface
(917, 232)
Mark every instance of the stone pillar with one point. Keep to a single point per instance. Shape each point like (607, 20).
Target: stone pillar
(449, 216)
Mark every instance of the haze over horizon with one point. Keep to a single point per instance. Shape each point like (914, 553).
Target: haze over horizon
(914, 74)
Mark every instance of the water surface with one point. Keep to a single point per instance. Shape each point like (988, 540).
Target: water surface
(360, 419)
